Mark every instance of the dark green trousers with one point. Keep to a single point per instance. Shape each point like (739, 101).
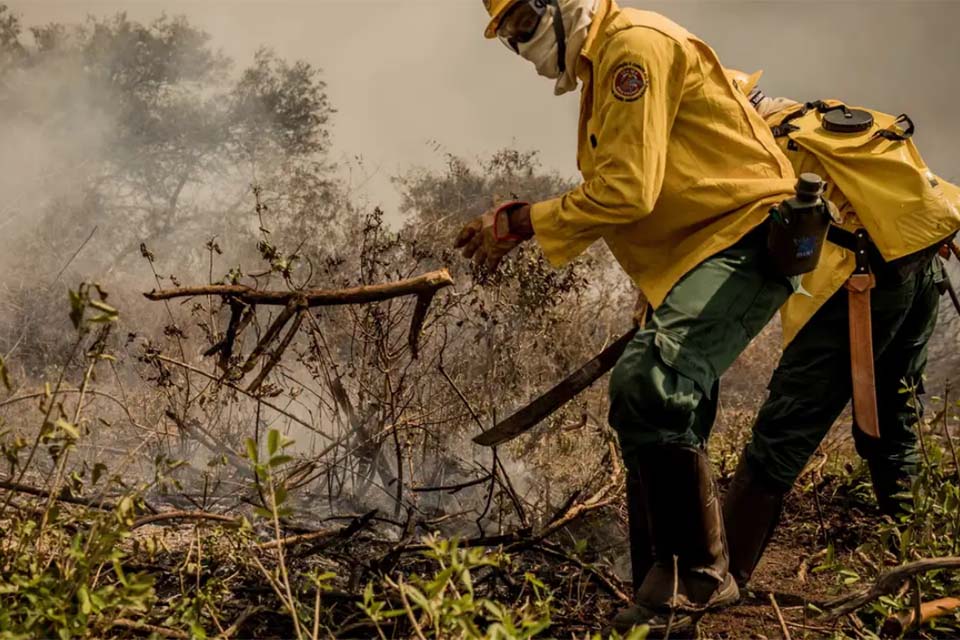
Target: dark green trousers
(664, 388)
(812, 384)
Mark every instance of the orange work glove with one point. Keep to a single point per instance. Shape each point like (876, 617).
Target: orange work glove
(488, 239)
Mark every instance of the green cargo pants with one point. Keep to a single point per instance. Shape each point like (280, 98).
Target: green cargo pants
(664, 388)
(812, 384)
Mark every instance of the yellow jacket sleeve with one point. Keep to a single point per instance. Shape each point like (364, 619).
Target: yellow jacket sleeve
(637, 90)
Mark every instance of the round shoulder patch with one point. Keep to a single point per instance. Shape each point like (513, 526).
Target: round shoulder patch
(629, 82)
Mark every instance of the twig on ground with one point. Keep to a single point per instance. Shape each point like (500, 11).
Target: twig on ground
(135, 625)
(197, 432)
(783, 623)
(605, 582)
(17, 487)
(234, 628)
(805, 564)
(318, 536)
(183, 515)
(886, 584)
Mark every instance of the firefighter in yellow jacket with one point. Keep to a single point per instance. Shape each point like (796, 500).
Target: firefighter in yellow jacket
(679, 174)
(898, 214)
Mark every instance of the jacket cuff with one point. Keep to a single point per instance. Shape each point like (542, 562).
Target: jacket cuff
(559, 244)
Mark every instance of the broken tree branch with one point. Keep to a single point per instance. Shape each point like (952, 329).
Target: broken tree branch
(274, 359)
(886, 584)
(183, 515)
(421, 285)
(62, 496)
(896, 625)
(325, 541)
(293, 306)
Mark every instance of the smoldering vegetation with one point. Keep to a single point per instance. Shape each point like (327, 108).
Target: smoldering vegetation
(143, 159)
(136, 157)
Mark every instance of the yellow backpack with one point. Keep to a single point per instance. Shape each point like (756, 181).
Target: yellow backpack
(871, 158)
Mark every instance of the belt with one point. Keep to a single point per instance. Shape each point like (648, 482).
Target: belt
(869, 258)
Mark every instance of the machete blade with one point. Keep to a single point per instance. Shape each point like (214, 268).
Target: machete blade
(532, 414)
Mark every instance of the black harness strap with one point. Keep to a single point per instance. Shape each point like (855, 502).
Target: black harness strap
(561, 34)
(898, 136)
(785, 128)
(858, 243)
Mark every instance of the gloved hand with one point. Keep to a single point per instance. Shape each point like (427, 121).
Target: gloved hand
(489, 238)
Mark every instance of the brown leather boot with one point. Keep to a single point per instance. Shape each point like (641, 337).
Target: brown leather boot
(689, 575)
(751, 512)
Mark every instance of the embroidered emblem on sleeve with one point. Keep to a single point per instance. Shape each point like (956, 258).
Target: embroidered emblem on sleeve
(629, 82)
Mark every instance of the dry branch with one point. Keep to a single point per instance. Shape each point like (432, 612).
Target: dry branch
(183, 515)
(887, 584)
(277, 354)
(315, 536)
(199, 434)
(783, 623)
(896, 625)
(16, 487)
(421, 285)
(233, 629)
(293, 306)
(136, 625)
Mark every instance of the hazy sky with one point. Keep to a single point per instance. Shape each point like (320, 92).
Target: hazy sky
(412, 79)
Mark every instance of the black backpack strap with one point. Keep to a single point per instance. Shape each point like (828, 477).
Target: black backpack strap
(897, 133)
(785, 128)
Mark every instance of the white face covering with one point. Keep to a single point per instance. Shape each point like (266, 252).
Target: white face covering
(541, 50)
(767, 106)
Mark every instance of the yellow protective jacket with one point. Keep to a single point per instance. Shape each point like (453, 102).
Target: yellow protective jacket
(677, 166)
(877, 184)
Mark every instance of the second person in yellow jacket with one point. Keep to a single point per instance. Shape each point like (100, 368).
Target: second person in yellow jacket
(813, 383)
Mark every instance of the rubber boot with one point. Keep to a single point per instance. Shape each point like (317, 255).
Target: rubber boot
(690, 573)
(892, 479)
(641, 548)
(751, 512)
(891, 486)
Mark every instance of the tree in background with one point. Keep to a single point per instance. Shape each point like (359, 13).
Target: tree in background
(142, 132)
(163, 141)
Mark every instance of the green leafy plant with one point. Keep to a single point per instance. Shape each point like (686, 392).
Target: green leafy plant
(445, 605)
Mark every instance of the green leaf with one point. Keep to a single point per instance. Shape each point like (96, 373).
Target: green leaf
(126, 510)
(86, 607)
(273, 441)
(103, 306)
(280, 460)
(252, 450)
